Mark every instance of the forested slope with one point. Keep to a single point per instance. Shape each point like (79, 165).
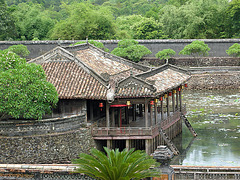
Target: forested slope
(119, 19)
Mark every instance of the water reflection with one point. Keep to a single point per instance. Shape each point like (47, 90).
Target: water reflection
(215, 116)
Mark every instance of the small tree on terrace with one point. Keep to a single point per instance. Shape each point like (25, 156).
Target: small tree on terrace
(195, 49)
(117, 165)
(20, 50)
(24, 90)
(165, 54)
(130, 49)
(234, 50)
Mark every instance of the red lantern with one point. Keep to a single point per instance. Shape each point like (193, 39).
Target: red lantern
(152, 102)
(186, 85)
(170, 94)
(101, 105)
(161, 98)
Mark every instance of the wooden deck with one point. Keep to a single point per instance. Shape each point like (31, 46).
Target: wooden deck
(136, 129)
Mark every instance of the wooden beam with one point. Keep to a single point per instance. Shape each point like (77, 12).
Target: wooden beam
(146, 112)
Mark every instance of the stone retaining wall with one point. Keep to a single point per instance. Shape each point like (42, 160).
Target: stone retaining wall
(215, 80)
(194, 62)
(41, 143)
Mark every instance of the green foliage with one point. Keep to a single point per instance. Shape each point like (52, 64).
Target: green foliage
(117, 165)
(24, 90)
(32, 22)
(232, 20)
(165, 54)
(119, 19)
(130, 49)
(148, 29)
(197, 19)
(7, 27)
(85, 20)
(196, 48)
(20, 50)
(234, 50)
(95, 43)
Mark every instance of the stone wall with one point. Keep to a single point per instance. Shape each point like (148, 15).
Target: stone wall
(45, 147)
(215, 80)
(194, 62)
(218, 46)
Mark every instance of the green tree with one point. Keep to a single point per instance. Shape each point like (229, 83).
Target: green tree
(20, 50)
(84, 20)
(117, 165)
(165, 54)
(95, 43)
(130, 49)
(7, 26)
(32, 21)
(232, 23)
(24, 90)
(196, 48)
(149, 28)
(234, 50)
(197, 19)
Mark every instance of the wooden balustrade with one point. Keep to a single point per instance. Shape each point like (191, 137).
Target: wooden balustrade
(137, 131)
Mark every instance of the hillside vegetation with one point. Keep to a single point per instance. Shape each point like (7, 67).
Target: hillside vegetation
(119, 19)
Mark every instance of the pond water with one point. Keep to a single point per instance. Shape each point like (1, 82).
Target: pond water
(215, 116)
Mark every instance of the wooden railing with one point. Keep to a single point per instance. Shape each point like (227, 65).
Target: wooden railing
(137, 131)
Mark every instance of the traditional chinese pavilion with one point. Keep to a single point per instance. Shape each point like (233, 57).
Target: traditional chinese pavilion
(127, 104)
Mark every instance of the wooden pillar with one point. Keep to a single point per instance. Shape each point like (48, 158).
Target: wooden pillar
(155, 112)
(134, 112)
(107, 115)
(91, 109)
(168, 110)
(140, 110)
(146, 113)
(126, 115)
(109, 144)
(177, 99)
(180, 100)
(162, 113)
(113, 117)
(147, 146)
(128, 144)
(151, 115)
(173, 101)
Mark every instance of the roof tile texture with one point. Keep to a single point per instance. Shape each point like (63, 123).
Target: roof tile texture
(71, 81)
(168, 79)
(100, 64)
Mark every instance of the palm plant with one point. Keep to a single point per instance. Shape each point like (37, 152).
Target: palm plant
(116, 165)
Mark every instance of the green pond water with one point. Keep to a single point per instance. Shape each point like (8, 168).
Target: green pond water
(215, 116)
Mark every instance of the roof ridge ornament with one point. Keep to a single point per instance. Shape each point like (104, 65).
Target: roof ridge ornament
(167, 61)
(59, 42)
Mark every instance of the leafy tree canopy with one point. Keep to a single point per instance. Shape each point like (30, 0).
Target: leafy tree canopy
(165, 54)
(117, 165)
(233, 16)
(95, 43)
(130, 49)
(24, 90)
(197, 19)
(7, 26)
(234, 50)
(196, 48)
(85, 20)
(20, 50)
(149, 28)
(32, 22)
